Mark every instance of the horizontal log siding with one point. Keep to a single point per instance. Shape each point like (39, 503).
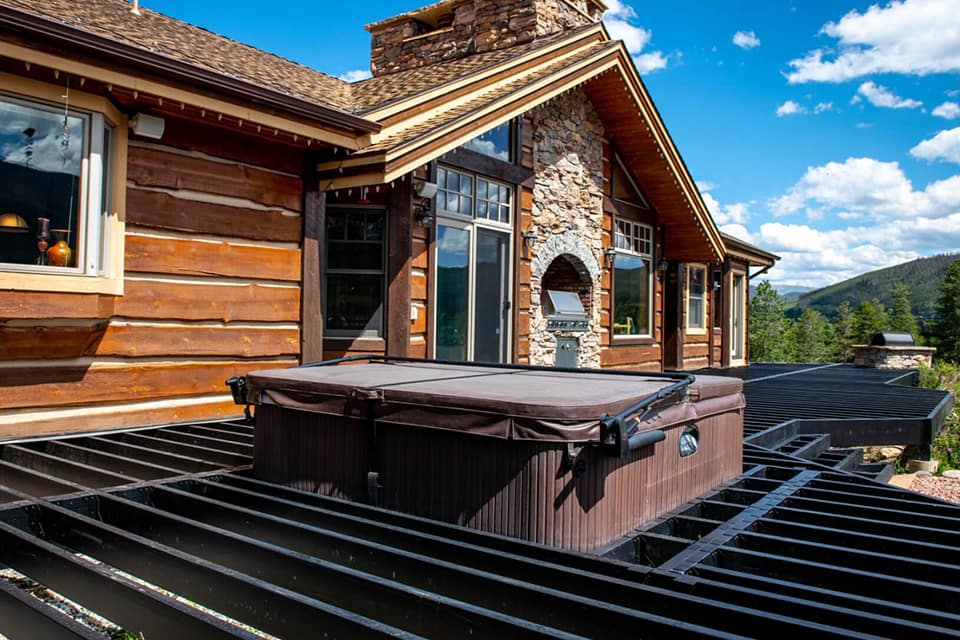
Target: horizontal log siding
(212, 289)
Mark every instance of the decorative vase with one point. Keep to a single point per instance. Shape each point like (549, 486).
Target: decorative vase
(60, 254)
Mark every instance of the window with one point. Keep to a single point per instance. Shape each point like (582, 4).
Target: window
(496, 143)
(59, 169)
(472, 260)
(63, 168)
(696, 298)
(473, 196)
(632, 280)
(354, 272)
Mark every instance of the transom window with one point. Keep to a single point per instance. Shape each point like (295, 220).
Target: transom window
(474, 196)
(634, 237)
(355, 272)
(632, 278)
(54, 168)
(496, 143)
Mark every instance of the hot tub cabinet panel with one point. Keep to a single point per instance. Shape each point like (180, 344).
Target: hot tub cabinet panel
(520, 472)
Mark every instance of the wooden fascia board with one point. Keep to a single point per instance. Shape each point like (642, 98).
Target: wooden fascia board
(388, 113)
(682, 175)
(504, 109)
(169, 92)
(417, 116)
(755, 259)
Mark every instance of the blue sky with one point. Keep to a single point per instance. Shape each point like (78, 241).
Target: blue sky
(827, 131)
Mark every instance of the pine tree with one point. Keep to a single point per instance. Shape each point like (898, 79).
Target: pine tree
(948, 308)
(770, 339)
(843, 333)
(814, 337)
(901, 313)
(868, 319)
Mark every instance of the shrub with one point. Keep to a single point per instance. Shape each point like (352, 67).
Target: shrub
(946, 446)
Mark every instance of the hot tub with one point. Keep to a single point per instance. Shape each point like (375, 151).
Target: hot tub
(573, 459)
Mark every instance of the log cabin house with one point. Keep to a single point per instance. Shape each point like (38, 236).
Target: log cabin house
(178, 208)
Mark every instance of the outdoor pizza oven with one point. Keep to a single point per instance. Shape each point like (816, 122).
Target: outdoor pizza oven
(569, 459)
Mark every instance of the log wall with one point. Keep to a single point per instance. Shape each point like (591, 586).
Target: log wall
(211, 290)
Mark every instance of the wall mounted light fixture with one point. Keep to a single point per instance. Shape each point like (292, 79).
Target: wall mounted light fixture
(424, 216)
(610, 255)
(663, 264)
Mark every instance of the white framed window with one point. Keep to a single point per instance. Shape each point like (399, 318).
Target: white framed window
(472, 268)
(696, 298)
(62, 164)
(632, 279)
(465, 194)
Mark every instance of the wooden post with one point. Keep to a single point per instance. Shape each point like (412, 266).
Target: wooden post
(398, 267)
(311, 282)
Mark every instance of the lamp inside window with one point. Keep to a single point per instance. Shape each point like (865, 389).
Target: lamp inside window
(52, 169)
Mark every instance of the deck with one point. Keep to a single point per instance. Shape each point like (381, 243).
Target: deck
(138, 525)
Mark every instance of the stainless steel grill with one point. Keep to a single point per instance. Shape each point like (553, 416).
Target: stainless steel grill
(564, 312)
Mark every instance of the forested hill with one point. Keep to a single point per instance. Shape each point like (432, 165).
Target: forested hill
(923, 276)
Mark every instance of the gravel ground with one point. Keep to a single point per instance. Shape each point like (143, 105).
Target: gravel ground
(938, 487)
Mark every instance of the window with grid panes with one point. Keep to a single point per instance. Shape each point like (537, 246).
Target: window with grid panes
(468, 195)
(632, 269)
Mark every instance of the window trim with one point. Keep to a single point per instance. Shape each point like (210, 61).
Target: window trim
(651, 285)
(690, 330)
(456, 215)
(471, 224)
(741, 358)
(107, 276)
(343, 334)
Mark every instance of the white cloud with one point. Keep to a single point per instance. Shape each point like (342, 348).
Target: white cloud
(746, 39)
(878, 190)
(947, 110)
(823, 107)
(738, 231)
(817, 258)
(789, 108)
(943, 146)
(356, 75)
(916, 37)
(704, 185)
(736, 213)
(619, 19)
(880, 96)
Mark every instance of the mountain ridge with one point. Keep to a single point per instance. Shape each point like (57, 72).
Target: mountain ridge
(923, 276)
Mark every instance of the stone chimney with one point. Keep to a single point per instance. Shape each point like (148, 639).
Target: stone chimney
(458, 28)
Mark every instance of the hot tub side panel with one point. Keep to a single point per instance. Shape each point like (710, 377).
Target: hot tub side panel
(522, 489)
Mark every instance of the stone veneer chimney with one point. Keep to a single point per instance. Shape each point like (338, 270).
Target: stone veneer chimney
(457, 28)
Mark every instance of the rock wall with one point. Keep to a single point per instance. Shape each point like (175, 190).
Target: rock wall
(892, 357)
(567, 213)
(471, 26)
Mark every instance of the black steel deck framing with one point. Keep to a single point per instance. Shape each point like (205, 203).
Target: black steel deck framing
(143, 526)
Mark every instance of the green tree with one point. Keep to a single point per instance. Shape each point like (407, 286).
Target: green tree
(868, 319)
(948, 308)
(770, 337)
(813, 338)
(843, 333)
(901, 313)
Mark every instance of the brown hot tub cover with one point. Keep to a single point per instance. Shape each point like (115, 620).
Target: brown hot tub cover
(515, 404)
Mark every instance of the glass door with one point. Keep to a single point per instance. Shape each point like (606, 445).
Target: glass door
(492, 308)
(472, 293)
(453, 292)
(737, 317)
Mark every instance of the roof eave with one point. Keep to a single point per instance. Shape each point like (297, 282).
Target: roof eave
(29, 25)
